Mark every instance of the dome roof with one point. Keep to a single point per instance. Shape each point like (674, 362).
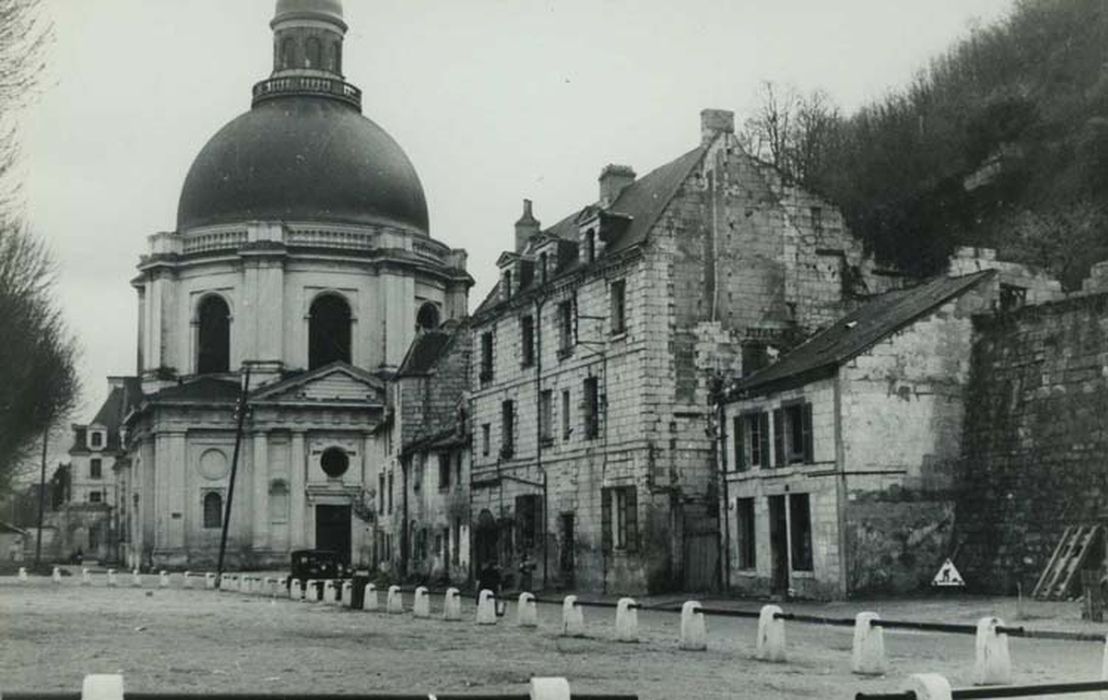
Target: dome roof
(295, 9)
(302, 158)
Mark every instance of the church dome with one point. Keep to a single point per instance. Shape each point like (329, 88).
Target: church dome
(299, 157)
(319, 9)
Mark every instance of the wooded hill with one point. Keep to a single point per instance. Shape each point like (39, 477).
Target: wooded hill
(1002, 142)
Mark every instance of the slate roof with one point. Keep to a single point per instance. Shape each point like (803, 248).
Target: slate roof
(856, 332)
(199, 389)
(641, 203)
(120, 401)
(424, 352)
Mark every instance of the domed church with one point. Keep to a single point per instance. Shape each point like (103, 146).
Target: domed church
(302, 261)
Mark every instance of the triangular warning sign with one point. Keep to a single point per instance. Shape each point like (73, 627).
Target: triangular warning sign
(948, 576)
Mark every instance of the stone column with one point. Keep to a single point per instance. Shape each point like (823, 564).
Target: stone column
(260, 461)
(298, 469)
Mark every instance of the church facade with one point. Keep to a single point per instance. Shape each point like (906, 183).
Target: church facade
(300, 271)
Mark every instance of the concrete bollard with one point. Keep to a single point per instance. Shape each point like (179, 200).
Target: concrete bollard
(102, 687)
(23, 573)
(329, 596)
(311, 591)
(163, 579)
(627, 620)
(136, 578)
(86, 577)
(929, 686)
(186, 580)
(550, 689)
(771, 635)
(993, 665)
(394, 602)
(281, 587)
(1104, 662)
(486, 608)
(573, 618)
(111, 578)
(244, 584)
(452, 605)
(296, 591)
(347, 593)
(527, 612)
(868, 657)
(421, 607)
(209, 581)
(694, 631)
(56, 575)
(369, 598)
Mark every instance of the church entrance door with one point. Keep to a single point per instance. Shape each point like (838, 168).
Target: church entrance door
(332, 530)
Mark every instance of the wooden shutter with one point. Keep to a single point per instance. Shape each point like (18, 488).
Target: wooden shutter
(763, 424)
(778, 437)
(606, 519)
(737, 425)
(806, 428)
(631, 519)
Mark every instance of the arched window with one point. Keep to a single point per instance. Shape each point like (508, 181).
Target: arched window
(214, 336)
(288, 53)
(328, 331)
(213, 509)
(313, 53)
(428, 317)
(278, 502)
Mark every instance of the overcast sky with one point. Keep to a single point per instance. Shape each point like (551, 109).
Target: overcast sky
(493, 101)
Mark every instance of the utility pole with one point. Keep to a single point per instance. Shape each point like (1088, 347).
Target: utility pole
(41, 496)
(240, 416)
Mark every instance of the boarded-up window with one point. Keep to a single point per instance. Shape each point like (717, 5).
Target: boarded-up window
(800, 531)
(619, 518)
(744, 532)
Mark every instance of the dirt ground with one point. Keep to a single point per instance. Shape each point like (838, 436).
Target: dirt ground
(194, 641)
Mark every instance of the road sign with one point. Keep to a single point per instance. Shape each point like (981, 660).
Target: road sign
(948, 576)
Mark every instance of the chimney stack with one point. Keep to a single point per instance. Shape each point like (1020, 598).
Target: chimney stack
(714, 122)
(526, 227)
(613, 180)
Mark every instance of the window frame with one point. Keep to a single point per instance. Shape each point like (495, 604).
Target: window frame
(486, 373)
(801, 556)
(566, 335)
(746, 534)
(446, 467)
(619, 519)
(527, 341)
(617, 306)
(208, 522)
(546, 417)
(507, 428)
(96, 468)
(590, 405)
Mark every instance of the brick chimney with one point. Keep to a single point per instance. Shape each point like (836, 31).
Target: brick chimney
(714, 122)
(613, 180)
(526, 227)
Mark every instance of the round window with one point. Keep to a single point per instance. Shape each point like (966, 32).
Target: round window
(213, 465)
(334, 462)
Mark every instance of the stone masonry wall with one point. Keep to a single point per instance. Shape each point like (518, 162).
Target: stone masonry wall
(1035, 441)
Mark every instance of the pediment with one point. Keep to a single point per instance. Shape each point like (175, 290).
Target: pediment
(336, 384)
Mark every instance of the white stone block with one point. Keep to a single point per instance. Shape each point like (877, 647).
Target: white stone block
(627, 620)
(111, 578)
(23, 573)
(993, 665)
(311, 591)
(296, 591)
(550, 689)
(244, 584)
(452, 605)
(1104, 662)
(369, 598)
(486, 608)
(347, 593)
(186, 580)
(136, 578)
(56, 575)
(86, 577)
(694, 630)
(394, 602)
(329, 596)
(868, 658)
(163, 579)
(928, 686)
(102, 687)
(421, 607)
(771, 635)
(209, 581)
(573, 618)
(527, 612)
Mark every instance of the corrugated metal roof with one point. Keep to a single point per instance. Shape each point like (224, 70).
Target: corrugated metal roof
(859, 331)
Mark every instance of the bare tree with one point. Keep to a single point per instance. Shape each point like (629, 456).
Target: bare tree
(791, 131)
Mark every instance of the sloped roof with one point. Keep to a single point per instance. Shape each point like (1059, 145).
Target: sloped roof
(199, 389)
(857, 332)
(121, 399)
(424, 352)
(301, 378)
(642, 203)
(8, 528)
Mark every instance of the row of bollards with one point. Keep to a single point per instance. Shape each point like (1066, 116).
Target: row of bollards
(992, 665)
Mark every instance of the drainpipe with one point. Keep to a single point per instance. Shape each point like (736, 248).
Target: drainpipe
(721, 431)
(538, 433)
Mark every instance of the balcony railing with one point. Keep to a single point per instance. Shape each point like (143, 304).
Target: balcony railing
(308, 85)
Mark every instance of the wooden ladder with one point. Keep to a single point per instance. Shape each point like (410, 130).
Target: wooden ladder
(1068, 558)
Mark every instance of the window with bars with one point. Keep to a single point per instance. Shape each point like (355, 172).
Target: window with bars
(619, 518)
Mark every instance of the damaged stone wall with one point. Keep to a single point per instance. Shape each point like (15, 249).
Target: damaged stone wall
(1035, 441)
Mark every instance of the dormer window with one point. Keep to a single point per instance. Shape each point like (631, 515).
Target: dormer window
(96, 438)
(542, 268)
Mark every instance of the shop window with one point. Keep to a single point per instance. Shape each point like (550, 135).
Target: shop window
(744, 532)
(800, 532)
(619, 518)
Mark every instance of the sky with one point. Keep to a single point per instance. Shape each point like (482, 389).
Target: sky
(492, 100)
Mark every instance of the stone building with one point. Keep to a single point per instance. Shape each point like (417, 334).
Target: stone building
(593, 461)
(302, 252)
(842, 460)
